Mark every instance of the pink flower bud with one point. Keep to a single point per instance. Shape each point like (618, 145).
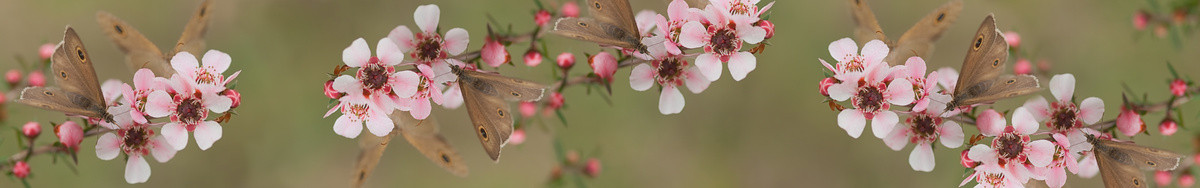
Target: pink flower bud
(825, 83)
(592, 168)
(1129, 122)
(31, 129)
(493, 53)
(603, 65)
(528, 109)
(556, 101)
(12, 76)
(46, 51)
(1168, 127)
(1023, 67)
(770, 27)
(1179, 16)
(541, 18)
(1140, 20)
(1186, 180)
(533, 58)
(330, 92)
(1196, 158)
(1043, 65)
(3, 99)
(235, 96)
(21, 170)
(566, 60)
(572, 157)
(1178, 87)
(966, 161)
(36, 78)
(1160, 31)
(69, 134)
(570, 9)
(517, 137)
(1013, 39)
(1163, 178)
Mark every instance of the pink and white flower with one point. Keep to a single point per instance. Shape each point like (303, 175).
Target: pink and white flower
(427, 89)
(428, 47)
(357, 110)
(849, 60)
(377, 79)
(923, 87)
(136, 140)
(923, 128)
(188, 109)
(990, 175)
(1063, 116)
(1012, 148)
(144, 83)
(669, 71)
(1055, 174)
(205, 75)
(872, 96)
(722, 37)
(741, 8)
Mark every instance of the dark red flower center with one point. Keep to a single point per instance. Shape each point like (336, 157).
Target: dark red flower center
(869, 99)
(190, 110)
(670, 69)
(1009, 146)
(725, 41)
(924, 126)
(429, 47)
(374, 76)
(1063, 118)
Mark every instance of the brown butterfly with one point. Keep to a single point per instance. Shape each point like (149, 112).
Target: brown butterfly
(1121, 163)
(980, 80)
(917, 41)
(425, 136)
(77, 91)
(611, 24)
(486, 97)
(141, 53)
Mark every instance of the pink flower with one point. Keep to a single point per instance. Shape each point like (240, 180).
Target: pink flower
(872, 97)
(1012, 148)
(330, 92)
(20, 170)
(418, 105)
(667, 70)
(188, 109)
(923, 128)
(678, 14)
(1162, 178)
(1063, 116)
(357, 110)
(517, 137)
(12, 76)
(566, 60)
(428, 47)
(570, 9)
(740, 8)
(528, 109)
(845, 52)
(46, 50)
(556, 101)
(1055, 174)
(1178, 87)
(541, 18)
(37, 79)
(965, 160)
(1013, 39)
(493, 53)
(990, 175)
(533, 58)
(825, 83)
(205, 76)
(769, 27)
(1129, 122)
(144, 83)
(1140, 20)
(592, 168)
(1023, 67)
(452, 98)
(603, 65)
(376, 79)
(136, 140)
(1168, 127)
(31, 129)
(69, 134)
(1186, 180)
(923, 87)
(233, 96)
(722, 40)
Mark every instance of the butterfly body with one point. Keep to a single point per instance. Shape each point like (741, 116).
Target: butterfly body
(611, 24)
(486, 97)
(77, 90)
(1122, 163)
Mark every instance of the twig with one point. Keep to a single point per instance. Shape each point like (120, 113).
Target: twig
(21, 156)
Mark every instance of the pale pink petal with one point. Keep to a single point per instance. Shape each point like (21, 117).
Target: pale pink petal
(1038, 106)
(1088, 167)
(185, 63)
(951, 134)
(403, 37)
(456, 41)
(897, 139)
(900, 92)
(693, 34)
(670, 101)
(828, 66)
(883, 123)
(217, 103)
(677, 9)
(982, 153)
(420, 109)
(948, 78)
(921, 158)
(751, 34)
(108, 146)
(922, 105)
(642, 77)
(175, 135)
(143, 79)
(380, 125)
(159, 104)
(991, 123)
(137, 170)
(356, 55)
(452, 98)
(427, 17)
(710, 66)
(695, 81)
(347, 127)
(874, 51)
(216, 60)
(916, 67)
(208, 132)
(389, 54)
(1062, 86)
(1040, 152)
(1023, 122)
(406, 83)
(161, 151)
(852, 121)
(843, 49)
(842, 91)
(1091, 109)
(1057, 178)
(348, 84)
(740, 65)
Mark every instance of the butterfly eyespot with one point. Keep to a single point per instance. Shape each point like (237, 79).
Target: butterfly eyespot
(119, 30)
(445, 158)
(978, 42)
(597, 5)
(483, 134)
(996, 63)
(1151, 163)
(940, 17)
(857, 1)
(203, 10)
(581, 24)
(500, 112)
(1137, 182)
(79, 52)
(63, 74)
(515, 94)
(1011, 81)
(48, 93)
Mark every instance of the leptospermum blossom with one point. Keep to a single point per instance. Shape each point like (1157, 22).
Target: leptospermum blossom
(1063, 116)
(670, 71)
(188, 109)
(1055, 174)
(1011, 148)
(206, 75)
(136, 140)
(377, 79)
(923, 86)
(427, 90)
(428, 47)
(722, 36)
(849, 60)
(144, 83)
(678, 14)
(741, 8)
(990, 175)
(923, 128)
(868, 88)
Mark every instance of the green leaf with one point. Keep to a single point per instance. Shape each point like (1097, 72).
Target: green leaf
(539, 5)
(559, 153)
(561, 117)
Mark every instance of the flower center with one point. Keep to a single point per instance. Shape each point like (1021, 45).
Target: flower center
(924, 126)
(429, 48)
(357, 110)
(1009, 146)
(207, 77)
(670, 70)
(725, 41)
(374, 76)
(869, 99)
(992, 178)
(136, 139)
(854, 65)
(190, 110)
(1065, 117)
(741, 8)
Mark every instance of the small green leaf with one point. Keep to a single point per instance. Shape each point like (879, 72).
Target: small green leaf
(561, 117)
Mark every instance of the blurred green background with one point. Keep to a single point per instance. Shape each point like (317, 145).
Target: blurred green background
(769, 130)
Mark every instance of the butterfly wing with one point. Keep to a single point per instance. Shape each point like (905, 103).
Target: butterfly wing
(53, 98)
(510, 89)
(139, 51)
(491, 118)
(73, 70)
(867, 27)
(1006, 86)
(192, 40)
(593, 30)
(426, 138)
(918, 40)
(1117, 175)
(987, 55)
(616, 12)
(1142, 157)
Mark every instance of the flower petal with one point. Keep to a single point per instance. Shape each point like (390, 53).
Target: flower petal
(1039, 107)
(883, 123)
(389, 54)
(982, 153)
(642, 77)
(852, 121)
(740, 65)
(1062, 86)
(137, 170)
(1023, 122)
(991, 123)
(427, 17)
(403, 37)
(159, 103)
(874, 52)
(108, 146)
(751, 34)
(453, 97)
(420, 108)
(347, 84)
(900, 92)
(161, 150)
(915, 67)
(456, 41)
(184, 62)
(356, 55)
(709, 65)
(207, 133)
(921, 158)
(175, 135)
(843, 49)
(380, 126)
(692, 35)
(216, 60)
(1040, 153)
(1091, 110)
(951, 134)
(897, 139)
(405, 84)
(842, 91)
(347, 127)
(695, 81)
(670, 101)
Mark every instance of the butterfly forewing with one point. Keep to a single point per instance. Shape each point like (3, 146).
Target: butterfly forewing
(1122, 164)
(490, 119)
(76, 90)
(192, 40)
(611, 24)
(867, 25)
(918, 40)
(986, 55)
(617, 12)
(53, 98)
(139, 51)
(509, 89)
(426, 138)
